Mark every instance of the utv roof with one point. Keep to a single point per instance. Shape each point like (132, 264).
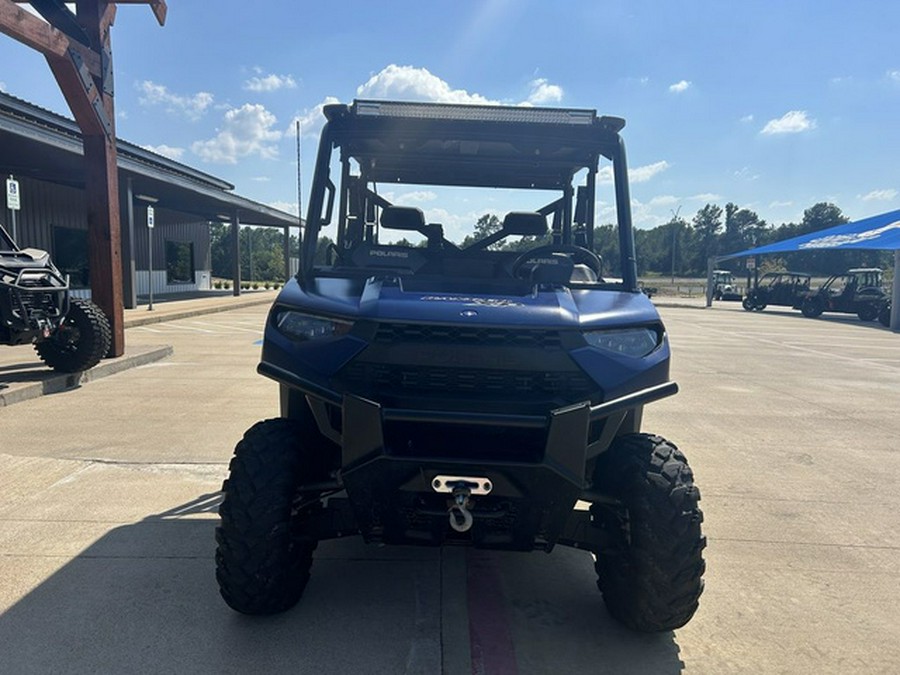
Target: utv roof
(471, 145)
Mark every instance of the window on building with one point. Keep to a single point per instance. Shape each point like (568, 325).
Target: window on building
(70, 255)
(179, 262)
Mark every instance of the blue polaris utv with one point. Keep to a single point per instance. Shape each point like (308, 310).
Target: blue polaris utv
(438, 389)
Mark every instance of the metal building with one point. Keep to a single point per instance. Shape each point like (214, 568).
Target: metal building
(43, 151)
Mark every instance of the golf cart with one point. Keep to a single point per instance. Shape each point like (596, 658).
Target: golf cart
(723, 286)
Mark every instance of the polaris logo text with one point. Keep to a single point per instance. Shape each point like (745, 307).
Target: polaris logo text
(389, 254)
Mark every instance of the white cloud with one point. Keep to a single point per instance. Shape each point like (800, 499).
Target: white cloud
(747, 119)
(879, 196)
(642, 174)
(679, 87)
(193, 107)
(706, 197)
(311, 120)
(415, 84)
(271, 82)
(542, 92)
(408, 83)
(780, 204)
(260, 179)
(165, 151)
(287, 207)
(894, 75)
(413, 197)
(664, 200)
(643, 215)
(245, 131)
(793, 122)
(639, 174)
(745, 173)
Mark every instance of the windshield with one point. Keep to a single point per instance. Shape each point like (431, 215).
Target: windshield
(463, 193)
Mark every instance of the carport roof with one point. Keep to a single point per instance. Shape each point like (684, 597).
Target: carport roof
(881, 232)
(40, 144)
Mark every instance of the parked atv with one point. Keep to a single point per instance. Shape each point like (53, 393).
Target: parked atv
(783, 289)
(69, 334)
(469, 394)
(856, 291)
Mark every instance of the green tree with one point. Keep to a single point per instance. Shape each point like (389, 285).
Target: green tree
(743, 230)
(487, 225)
(706, 225)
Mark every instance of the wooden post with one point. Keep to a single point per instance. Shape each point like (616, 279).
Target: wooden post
(77, 48)
(102, 180)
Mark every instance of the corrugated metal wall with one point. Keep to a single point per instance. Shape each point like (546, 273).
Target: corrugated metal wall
(43, 206)
(48, 205)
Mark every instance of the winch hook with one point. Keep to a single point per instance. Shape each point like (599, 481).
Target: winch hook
(460, 517)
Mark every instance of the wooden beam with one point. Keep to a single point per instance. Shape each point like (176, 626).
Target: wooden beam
(105, 233)
(31, 30)
(158, 7)
(85, 76)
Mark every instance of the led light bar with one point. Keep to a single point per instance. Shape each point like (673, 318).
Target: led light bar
(475, 113)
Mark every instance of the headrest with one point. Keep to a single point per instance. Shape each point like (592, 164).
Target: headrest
(402, 218)
(525, 223)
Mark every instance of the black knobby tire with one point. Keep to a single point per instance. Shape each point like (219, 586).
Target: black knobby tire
(812, 308)
(263, 558)
(82, 339)
(867, 312)
(748, 303)
(651, 571)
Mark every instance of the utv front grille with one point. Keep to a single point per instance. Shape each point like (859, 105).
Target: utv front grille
(383, 378)
(391, 333)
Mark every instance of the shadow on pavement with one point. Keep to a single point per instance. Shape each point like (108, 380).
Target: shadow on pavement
(560, 624)
(143, 599)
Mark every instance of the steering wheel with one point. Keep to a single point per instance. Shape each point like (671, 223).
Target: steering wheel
(578, 254)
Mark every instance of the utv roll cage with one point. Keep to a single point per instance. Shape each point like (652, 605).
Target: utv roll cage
(389, 142)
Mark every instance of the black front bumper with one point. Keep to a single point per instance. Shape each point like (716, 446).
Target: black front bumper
(389, 484)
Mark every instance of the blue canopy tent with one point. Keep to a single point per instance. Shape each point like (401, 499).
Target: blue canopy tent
(881, 232)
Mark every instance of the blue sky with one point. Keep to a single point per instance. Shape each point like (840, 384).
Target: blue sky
(771, 105)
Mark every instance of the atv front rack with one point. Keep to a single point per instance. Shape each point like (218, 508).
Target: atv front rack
(32, 300)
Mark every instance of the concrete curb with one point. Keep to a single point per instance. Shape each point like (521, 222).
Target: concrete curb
(55, 383)
(163, 315)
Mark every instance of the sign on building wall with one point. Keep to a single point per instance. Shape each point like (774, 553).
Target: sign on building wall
(150, 217)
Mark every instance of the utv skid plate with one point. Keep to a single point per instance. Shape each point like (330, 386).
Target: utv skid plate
(487, 503)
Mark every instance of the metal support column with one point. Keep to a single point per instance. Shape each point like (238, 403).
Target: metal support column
(236, 253)
(895, 297)
(129, 285)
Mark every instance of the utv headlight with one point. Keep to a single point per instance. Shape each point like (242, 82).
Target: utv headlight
(635, 342)
(303, 327)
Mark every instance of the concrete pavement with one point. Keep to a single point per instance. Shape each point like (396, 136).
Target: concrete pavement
(23, 376)
(108, 496)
